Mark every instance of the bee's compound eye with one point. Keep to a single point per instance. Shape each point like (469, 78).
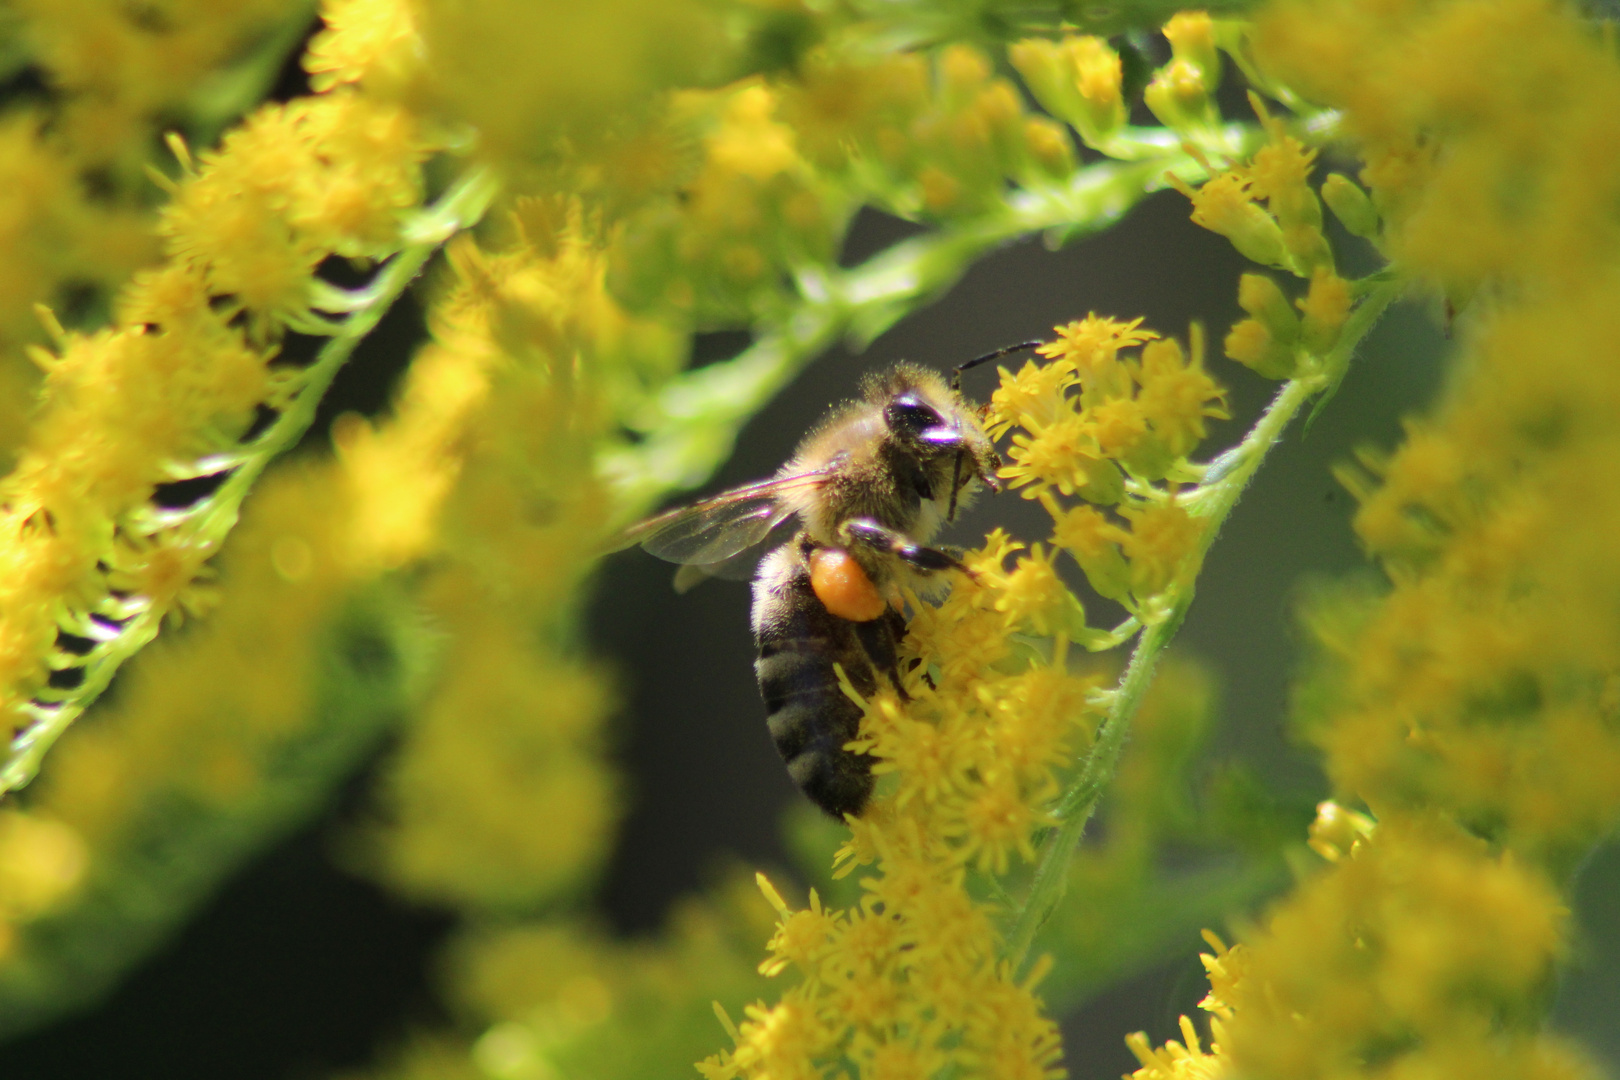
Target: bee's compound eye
(843, 587)
(906, 413)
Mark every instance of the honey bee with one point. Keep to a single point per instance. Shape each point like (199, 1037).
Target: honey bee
(857, 504)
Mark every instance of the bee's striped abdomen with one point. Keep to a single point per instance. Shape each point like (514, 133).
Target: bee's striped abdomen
(809, 716)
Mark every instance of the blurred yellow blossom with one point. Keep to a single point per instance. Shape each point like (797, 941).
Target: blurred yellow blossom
(1077, 79)
(1464, 707)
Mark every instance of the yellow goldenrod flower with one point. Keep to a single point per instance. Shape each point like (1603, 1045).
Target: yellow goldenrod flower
(1185, 1060)
(1176, 395)
(364, 41)
(1161, 541)
(1091, 346)
(1094, 541)
(1325, 305)
(1192, 40)
(1036, 392)
(1225, 205)
(1033, 594)
(1179, 98)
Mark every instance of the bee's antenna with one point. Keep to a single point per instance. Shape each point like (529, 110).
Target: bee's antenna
(956, 375)
(956, 387)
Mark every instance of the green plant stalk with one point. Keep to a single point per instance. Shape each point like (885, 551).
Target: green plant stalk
(1212, 502)
(691, 424)
(206, 525)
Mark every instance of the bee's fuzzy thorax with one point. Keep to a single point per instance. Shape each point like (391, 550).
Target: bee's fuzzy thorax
(878, 387)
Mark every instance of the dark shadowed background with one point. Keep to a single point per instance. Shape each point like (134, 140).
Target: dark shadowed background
(298, 969)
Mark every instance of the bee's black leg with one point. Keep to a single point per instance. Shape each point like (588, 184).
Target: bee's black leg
(880, 638)
(870, 534)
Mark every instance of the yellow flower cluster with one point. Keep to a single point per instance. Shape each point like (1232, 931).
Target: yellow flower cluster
(1098, 425)
(1481, 683)
(178, 378)
(714, 245)
(1078, 79)
(911, 980)
(933, 139)
(1472, 709)
(1180, 93)
(1276, 341)
(1470, 91)
(76, 204)
(52, 234)
(522, 377)
(121, 66)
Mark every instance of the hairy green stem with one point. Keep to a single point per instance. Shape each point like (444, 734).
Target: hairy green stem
(1229, 476)
(205, 526)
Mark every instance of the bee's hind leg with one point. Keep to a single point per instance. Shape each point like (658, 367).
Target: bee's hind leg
(880, 638)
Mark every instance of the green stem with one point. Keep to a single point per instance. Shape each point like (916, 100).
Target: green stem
(205, 526)
(1229, 477)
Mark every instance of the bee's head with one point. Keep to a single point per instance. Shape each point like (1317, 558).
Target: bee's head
(930, 422)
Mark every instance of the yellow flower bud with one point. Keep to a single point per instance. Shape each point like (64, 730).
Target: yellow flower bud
(1326, 305)
(1087, 534)
(1048, 146)
(1262, 298)
(1350, 205)
(1250, 343)
(1192, 40)
(1162, 541)
(964, 70)
(1098, 75)
(1177, 96)
(1307, 247)
(1337, 832)
(1224, 205)
(1104, 485)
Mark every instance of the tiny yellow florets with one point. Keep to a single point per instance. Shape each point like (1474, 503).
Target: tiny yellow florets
(1090, 346)
(1033, 595)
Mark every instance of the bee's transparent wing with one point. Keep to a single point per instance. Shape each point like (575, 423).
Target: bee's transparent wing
(714, 531)
(741, 566)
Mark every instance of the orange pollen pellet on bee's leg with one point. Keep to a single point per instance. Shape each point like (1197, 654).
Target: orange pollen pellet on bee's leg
(843, 587)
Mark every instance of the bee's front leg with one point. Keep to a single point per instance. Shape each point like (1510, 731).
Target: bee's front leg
(864, 532)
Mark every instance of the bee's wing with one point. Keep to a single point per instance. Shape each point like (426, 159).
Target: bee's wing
(741, 566)
(716, 530)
